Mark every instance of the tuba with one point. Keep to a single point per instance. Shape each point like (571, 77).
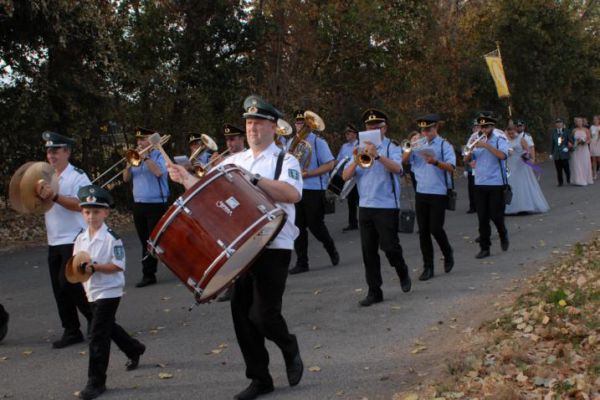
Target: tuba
(300, 148)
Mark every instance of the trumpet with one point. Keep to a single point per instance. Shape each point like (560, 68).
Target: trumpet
(300, 148)
(362, 158)
(405, 145)
(473, 140)
(134, 157)
(415, 144)
(201, 170)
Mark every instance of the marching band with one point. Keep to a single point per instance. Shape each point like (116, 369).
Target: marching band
(284, 178)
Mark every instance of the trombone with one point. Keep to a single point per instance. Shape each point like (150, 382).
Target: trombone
(133, 157)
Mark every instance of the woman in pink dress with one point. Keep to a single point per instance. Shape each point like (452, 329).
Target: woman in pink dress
(595, 145)
(580, 162)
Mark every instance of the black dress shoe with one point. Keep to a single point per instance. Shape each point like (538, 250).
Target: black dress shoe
(471, 211)
(477, 239)
(405, 282)
(370, 300)
(146, 281)
(134, 361)
(483, 254)
(298, 269)
(255, 389)
(427, 274)
(334, 256)
(294, 368)
(350, 228)
(504, 243)
(448, 264)
(3, 323)
(68, 339)
(92, 391)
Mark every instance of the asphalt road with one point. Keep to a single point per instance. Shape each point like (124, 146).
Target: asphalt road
(360, 352)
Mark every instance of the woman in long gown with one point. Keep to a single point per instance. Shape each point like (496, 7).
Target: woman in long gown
(595, 145)
(527, 194)
(580, 162)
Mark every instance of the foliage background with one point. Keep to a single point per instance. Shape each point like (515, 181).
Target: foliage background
(176, 66)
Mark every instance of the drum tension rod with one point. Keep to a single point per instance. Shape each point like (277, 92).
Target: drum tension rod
(228, 250)
(181, 205)
(263, 209)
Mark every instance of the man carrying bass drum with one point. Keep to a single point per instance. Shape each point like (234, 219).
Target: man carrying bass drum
(257, 295)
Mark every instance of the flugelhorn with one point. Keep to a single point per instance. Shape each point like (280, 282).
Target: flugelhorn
(207, 144)
(300, 148)
(283, 128)
(133, 157)
(362, 158)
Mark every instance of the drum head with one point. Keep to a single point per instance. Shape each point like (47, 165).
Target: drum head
(242, 258)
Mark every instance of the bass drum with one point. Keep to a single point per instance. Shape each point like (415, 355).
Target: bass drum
(215, 230)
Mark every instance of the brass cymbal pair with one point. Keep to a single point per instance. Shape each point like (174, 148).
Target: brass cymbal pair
(72, 272)
(25, 186)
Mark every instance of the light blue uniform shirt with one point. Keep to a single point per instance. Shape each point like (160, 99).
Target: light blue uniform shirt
(320, 155)
(430, 179)
(487, 165)
(148, 188)
(378, 187)
(347, 150)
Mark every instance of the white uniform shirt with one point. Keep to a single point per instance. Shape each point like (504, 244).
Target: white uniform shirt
(63, 225)
(264, 165)
(104, 248)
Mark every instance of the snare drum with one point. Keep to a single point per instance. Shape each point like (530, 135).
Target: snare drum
(336, 182)
(215, 230)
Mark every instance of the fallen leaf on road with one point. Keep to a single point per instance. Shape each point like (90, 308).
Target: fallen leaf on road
(418, 349)
(165, 375)
(314, 369)
(318, 291)
(27, 352)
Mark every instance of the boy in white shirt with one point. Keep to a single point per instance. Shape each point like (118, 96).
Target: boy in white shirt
(104, 288)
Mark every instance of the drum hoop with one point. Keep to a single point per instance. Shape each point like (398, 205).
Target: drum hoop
(334, 172)
(233, 244)
(348, 186)
(181, 202)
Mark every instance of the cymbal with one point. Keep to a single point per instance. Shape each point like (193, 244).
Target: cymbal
(36, 174)
(72, 272)
(14, 188)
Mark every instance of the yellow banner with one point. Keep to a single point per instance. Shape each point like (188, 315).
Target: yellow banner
(494, 63)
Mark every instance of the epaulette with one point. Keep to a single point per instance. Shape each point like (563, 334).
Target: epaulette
(79, 170)
(114, 234)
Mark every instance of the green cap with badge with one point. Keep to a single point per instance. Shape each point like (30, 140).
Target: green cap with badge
(257, 107)
(54, 139)
(94, 196)
(230, 130)
(373, 116)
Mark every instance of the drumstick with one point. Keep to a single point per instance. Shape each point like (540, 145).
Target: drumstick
(154, 140)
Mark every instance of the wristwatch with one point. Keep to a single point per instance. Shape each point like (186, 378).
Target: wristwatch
(436, 163)
(92, 267)
(255, 179)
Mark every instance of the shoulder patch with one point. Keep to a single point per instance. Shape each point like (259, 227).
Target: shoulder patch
(79, 170)
(113, 234)
(292, 173)
(119, 252)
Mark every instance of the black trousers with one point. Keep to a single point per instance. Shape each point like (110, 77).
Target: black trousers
(431, 213)
(310, 214)
(256, 303)
(104, 328)
(353, 207)
(145, 218)
(562, 165)
(69, 297)
(471, 179)
(490, 206)
(379, 229)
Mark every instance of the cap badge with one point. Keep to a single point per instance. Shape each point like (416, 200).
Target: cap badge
(422, 124)
(252, 109)
(49, 143)
(227, 130)
(482, 121)
(90, 199)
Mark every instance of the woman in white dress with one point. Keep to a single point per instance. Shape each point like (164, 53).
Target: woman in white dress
(527, 194)
(595, 145)
(580, 162)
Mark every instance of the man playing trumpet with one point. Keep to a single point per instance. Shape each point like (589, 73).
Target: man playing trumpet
(150, 196)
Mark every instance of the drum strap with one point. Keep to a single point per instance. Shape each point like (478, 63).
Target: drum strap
(279, 164)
